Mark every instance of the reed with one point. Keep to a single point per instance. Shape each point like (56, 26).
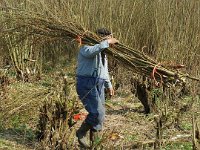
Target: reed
(42, 29)
(167, 29)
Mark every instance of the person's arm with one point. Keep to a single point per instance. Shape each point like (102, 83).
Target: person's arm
(108, 84)
(91, 51)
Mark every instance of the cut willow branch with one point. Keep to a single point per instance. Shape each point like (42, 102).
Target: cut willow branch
(23, 24)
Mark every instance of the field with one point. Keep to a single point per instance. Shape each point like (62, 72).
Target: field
(38, 64)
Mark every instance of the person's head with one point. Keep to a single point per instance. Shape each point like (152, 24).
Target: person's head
(104, 33)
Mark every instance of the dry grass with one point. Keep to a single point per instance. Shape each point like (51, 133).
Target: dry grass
(167, 30)
(125, 125)
(155, 25)
(41, 29)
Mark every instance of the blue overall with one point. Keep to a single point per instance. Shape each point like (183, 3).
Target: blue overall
(91, 93)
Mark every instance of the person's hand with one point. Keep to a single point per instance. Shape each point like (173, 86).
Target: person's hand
(112, 40)
(111, 92)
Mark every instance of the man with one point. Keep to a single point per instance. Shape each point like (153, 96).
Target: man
(92, 78)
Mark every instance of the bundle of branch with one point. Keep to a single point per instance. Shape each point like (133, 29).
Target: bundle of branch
(23, 25)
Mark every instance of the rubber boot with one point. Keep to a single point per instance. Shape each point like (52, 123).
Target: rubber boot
(94, 137)
(81, 135)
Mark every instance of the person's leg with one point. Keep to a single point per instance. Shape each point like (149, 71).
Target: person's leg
(95, 135)
(82, 91)
(91, 95)
(95, 108)
(95, 105)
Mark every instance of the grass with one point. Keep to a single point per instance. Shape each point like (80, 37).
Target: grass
(169, 30)
(136, 126)
(186, 126)
(19, 138)
(179, 146)
(17, 133)
(12, 145)
(7, 145)
(131, 138)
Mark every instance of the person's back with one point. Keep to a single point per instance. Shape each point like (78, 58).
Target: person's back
(90, 62)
